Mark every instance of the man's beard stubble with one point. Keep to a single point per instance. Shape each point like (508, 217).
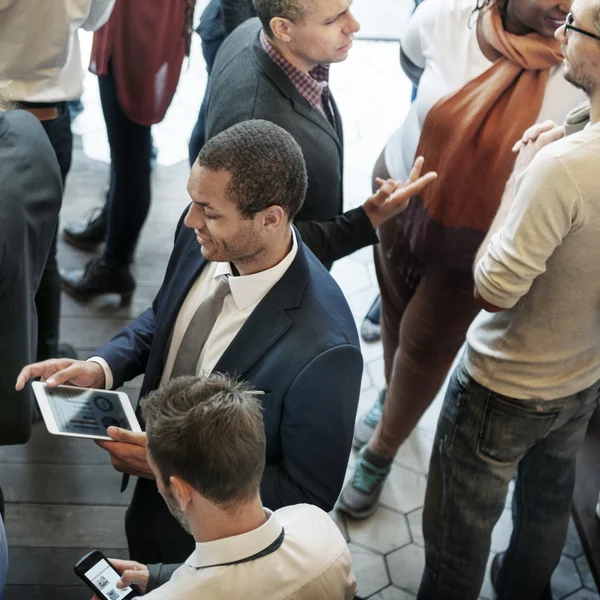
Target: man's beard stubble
(176, 511)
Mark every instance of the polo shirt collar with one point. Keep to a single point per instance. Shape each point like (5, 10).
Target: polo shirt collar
(238, 547)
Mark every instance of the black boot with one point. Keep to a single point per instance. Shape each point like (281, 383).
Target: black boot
(98, 278)
(89, 235)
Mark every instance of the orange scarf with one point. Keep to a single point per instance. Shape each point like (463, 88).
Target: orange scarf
(467, 138)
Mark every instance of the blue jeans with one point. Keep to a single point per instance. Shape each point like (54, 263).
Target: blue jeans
(483, 440)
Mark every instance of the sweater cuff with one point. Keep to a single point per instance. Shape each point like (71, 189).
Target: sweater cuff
(159, 574)
(364, 228)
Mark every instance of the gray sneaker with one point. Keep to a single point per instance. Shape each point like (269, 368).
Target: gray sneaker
(360, 495)
(366, 426)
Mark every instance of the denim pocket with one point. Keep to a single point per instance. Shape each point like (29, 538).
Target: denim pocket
(511, 427)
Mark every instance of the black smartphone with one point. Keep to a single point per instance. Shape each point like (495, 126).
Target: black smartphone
(95, 569)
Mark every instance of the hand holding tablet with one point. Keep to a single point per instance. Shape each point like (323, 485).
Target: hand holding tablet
(82, 412)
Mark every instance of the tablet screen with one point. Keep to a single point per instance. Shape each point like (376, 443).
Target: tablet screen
(83, 411)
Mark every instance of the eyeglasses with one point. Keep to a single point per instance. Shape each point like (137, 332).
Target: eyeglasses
(569, 25)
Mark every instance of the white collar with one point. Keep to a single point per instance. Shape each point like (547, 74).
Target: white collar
(251, 289)
(236, 548)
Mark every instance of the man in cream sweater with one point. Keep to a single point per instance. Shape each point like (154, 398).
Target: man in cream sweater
(519, 402)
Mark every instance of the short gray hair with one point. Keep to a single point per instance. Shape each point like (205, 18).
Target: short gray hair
(293, 10)
(208, 431)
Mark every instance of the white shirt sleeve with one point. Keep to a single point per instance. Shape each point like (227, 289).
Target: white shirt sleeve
(100, 11)
(419, 28)
(547, 205)
(108, 376)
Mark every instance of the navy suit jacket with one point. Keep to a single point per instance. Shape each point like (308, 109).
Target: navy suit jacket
(300, 346)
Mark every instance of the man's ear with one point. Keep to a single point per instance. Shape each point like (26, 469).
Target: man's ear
(182, 491)
(281, 28)
(273, 217)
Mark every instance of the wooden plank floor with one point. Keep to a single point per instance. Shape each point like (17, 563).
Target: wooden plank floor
(62, 494)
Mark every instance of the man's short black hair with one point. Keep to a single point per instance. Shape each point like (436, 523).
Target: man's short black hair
(266, 165)
(293, 10)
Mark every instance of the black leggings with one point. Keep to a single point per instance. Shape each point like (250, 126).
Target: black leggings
(47, 299)
(129, 197)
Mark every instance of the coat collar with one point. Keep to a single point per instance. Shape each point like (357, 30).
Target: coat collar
(287, 88)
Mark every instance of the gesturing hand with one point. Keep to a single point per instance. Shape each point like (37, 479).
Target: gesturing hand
(127, 452)
(393, 196)
(58, 371)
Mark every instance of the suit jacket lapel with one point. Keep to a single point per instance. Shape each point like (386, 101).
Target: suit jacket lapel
(264, 327)
(269, 321)
(299, 103)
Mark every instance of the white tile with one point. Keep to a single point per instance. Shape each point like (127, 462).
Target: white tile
(366, 382)
(573, 547)
(351, 275)
(415, 523)
(406, 567)
(385, 531)
(393, 593)
(369, 570)
(404, 490)
(586, 575)
(430, 418)
(487, 590)
(583, 594)
(502, 532)
(339, 520)
(565, 579)
(415, 452)
(377, 372)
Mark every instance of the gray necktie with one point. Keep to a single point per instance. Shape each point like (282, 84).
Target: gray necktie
(199, 329)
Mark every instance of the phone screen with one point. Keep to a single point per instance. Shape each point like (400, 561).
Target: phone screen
(105, 578)
(77, 410)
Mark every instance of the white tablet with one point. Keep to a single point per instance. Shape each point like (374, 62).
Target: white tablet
(82, 412)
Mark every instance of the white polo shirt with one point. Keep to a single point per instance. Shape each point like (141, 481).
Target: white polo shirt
(298, 554)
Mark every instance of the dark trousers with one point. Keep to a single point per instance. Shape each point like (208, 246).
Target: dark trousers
(198, 138)
(129, 196)
(153, 535)
(47, 299)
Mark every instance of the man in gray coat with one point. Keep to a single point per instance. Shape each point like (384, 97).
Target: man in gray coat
(29, 204)
(275, 67)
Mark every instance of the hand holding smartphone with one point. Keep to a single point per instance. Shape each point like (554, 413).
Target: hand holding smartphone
(102, 577)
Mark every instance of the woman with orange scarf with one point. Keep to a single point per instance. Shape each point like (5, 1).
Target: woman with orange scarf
(487, 70)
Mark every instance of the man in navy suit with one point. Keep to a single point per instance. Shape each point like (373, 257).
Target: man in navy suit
(284, 326)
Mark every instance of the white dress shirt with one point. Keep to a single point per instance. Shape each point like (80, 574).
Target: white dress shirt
(246, 292)
(40, 58)
(312, 562)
